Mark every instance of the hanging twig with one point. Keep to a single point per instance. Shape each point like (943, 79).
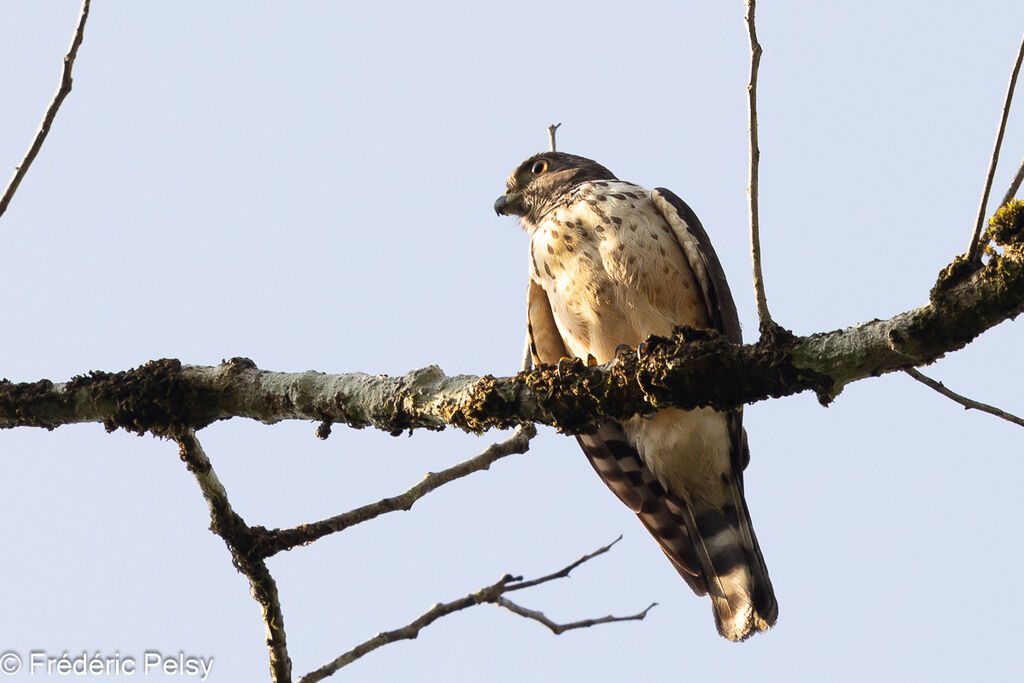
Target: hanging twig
(51, 111)
(974, 248)
(551, 134)
(763, 315)
(489, 594)
(967, 403)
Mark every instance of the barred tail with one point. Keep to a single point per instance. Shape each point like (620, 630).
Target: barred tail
(735, 573)
(714, 550)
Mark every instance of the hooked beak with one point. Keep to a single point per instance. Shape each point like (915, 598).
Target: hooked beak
(508, 204)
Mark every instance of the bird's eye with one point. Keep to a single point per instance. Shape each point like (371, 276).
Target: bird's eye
(539, 167)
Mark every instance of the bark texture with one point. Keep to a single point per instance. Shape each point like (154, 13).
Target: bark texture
(693, 368)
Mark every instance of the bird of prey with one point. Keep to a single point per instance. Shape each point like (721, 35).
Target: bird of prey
(611, 264)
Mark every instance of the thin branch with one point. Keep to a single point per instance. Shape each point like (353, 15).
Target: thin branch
(51, 111)
(967, 403)
(764, 317)
(267, 543)
(566, 570)
(237, 535)
(557, 628)
(551, 134)
(1011, 191)
(489, 594)
(974, 248)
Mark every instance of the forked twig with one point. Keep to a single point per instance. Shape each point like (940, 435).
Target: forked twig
(967, 403)
(51, 111)
(489, 594)
(974, 248)
(237, 535)
(250, 546)
(764, 317)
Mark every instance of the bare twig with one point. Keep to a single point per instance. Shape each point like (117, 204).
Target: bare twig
(763, 315)
(551, 134)
(564, 571)
(51, 111)
(268, 543)
(1011, 191)
(967, 403)
(974, 248)
(557, 628)
(489, 594)
(237, 535)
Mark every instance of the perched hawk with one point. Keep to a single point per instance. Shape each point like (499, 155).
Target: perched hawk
(612, 264)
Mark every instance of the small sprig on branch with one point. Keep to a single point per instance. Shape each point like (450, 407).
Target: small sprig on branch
(552, 129)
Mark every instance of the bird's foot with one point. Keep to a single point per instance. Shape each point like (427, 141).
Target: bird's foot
(565, 361)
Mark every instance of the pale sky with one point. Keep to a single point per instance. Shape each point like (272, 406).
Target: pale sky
(310, 185)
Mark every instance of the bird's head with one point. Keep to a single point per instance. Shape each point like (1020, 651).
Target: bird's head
(537, 184)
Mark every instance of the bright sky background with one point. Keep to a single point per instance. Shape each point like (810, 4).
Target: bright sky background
(310, 185)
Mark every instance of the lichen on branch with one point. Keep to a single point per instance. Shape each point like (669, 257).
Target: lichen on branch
(692, 368)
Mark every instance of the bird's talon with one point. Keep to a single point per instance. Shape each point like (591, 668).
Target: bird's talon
(563, 363)
(622, 349)
(591, 361)
(641, 350)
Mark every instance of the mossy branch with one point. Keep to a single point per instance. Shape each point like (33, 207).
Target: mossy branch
(693, 368)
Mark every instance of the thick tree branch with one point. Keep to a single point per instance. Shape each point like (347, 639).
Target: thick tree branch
(967, 403)
(694, 368)
(489, 594)
(974, 248)
(238, 537)
(51, 111)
